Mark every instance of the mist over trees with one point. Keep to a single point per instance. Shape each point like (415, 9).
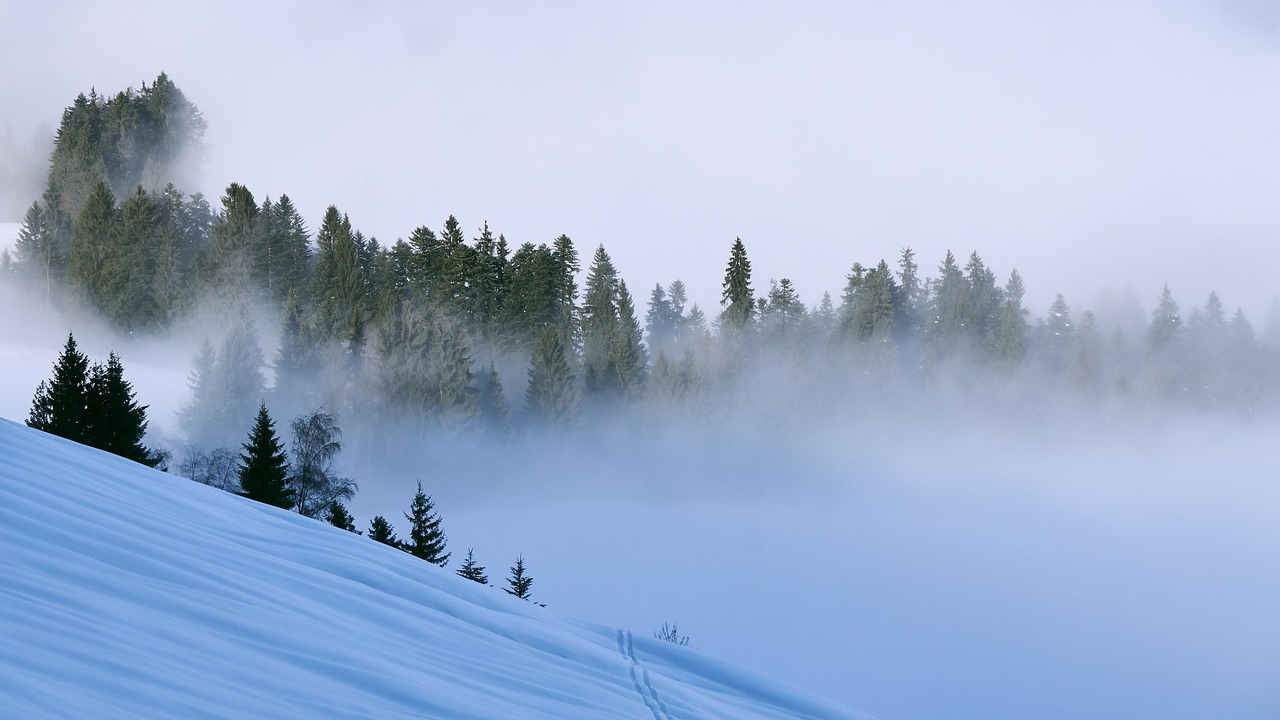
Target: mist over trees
(457, 332)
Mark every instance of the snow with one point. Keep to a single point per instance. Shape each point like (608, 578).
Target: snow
(131, 593)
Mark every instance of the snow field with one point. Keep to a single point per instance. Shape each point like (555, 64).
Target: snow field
(131, 593)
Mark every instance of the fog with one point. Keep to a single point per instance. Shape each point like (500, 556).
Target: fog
(947, 551)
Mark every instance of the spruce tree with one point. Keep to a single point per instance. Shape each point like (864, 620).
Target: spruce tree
(737, 294)
(552, 397)
(115, 421)
(61, 404)
(264, 470)
(518, 583)
(600, 325)
(426, 538)
(473, 570)
(381, 530)
(340, 518)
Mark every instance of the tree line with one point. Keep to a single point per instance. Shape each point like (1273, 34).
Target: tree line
(429, 331)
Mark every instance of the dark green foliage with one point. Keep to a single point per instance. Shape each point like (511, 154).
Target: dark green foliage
(340, 518)
(340, 286)
(149, 137)
(473, 570)
(381, 530)
(552, 397)
(264, 468)
(116, 422)
(91, 242)
(600, 326)
(314, 484)
(426, 538)
(627, 353)
(282, 256)
(737, 297)
(61, 404)
(94, 406)
(518, 583)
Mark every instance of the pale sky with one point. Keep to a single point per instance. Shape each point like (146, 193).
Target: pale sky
(1087, 144)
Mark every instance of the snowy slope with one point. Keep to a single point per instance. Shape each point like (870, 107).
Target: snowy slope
(126, 592)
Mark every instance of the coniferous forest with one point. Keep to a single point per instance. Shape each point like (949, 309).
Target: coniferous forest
(455, 330)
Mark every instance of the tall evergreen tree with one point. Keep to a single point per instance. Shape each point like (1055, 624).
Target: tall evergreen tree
(264, 468)
(61, 404)
(600, 325)
(115, 421)
(426, 537)
(1166, 324)
(552, 397)
(38, 252)
(737, 297)
(91, 243)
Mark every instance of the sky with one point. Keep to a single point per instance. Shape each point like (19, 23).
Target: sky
(1090, 145)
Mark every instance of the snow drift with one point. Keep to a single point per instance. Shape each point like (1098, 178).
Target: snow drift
(127, 592)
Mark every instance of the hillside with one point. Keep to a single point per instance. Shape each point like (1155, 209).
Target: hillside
(131, 593)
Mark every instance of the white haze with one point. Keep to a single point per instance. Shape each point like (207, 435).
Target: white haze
(1024, 561)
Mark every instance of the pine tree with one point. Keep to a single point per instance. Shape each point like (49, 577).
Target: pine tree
(91, 242)
(61, 404)
(473, 570)
(552, 396)
(381, 530)
(264, 469)
(600, 325)
(38, 252)
(1166, 324)
(491, 403)
(115, 421)
(519, 583)
(737, 295)
(627, 353)
(1010, 344)
(426, 538)
(340, 518)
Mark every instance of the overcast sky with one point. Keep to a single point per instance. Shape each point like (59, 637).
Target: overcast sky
(1084, 143)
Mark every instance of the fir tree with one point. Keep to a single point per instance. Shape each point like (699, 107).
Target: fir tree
(518, 583)
(381, 530)
(551, 397)
(473, 570)
(264, 469)
(340, 518)
(1166, 324)
(61, 404)
(426, 538)
(115, 421)
(737, 295)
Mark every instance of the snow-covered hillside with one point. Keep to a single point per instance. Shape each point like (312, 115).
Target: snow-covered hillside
(130, 593)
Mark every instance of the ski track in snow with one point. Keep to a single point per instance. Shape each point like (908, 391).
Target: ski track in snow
(645, 690)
